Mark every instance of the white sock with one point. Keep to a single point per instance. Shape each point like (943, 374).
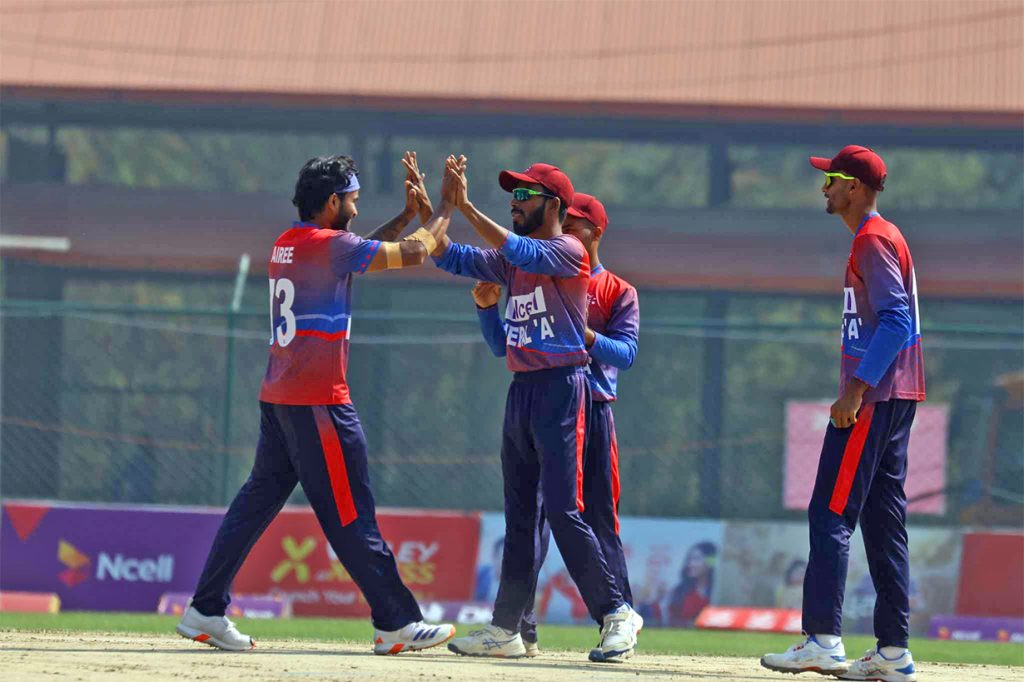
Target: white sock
(828, 641)
(892, 652)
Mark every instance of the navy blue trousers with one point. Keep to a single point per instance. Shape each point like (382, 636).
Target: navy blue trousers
(601, 492)
(324, 449)
(542, 454)
(860, 478)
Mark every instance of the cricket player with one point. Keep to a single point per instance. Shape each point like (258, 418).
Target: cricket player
(864, 457)
(611, 336)
(547, 273)
(309, 430)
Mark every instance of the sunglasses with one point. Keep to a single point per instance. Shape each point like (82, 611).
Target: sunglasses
(829, 176)
(523, 194)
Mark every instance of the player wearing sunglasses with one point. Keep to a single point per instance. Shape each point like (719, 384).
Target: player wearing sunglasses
(547, 273)
(863, 462)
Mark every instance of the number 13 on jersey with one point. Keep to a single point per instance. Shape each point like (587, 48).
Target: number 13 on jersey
(282, 294)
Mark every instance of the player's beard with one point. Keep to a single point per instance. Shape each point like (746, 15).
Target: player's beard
(341, 222)
(531, 221)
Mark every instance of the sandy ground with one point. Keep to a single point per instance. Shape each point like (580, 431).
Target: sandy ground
(85, 656)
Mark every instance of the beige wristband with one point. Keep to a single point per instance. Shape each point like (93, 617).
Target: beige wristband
(423, 236)
(393, 254)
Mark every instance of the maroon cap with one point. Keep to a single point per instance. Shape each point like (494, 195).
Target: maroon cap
(589, 208)
(860, 162)
(551, 177)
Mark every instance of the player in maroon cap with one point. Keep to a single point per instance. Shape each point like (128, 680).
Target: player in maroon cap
(547, 273)
(613, 327)
(863, 462)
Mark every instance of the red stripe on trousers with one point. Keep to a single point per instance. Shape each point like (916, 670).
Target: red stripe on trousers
(616, 485)
(336, 470)
(581, 436)
(851, 459)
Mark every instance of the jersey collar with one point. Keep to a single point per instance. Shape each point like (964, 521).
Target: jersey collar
(868, 217)
(597, 271)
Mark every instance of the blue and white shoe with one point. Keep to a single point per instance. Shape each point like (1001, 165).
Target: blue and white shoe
(809, 656)
(491, 641)
(637, 623)
(618, 636)
(875, 666)
(412, 637)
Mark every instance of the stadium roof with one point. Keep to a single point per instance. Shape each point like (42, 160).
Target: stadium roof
(934, 61)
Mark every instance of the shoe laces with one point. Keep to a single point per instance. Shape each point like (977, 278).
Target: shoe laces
(614, 626)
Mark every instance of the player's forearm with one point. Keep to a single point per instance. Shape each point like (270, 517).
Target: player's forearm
(389, 231)
(618, 353)
(491, 232)
(895, 328)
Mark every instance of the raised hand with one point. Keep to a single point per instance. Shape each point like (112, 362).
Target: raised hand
(418, 193)
(453, 185)
(456, 167)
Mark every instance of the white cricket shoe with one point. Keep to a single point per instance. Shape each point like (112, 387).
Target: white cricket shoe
(618, 635)
(492, 641)
(875, 666)
(637, 622)
(412, 637)
(532, 649)
(809, 656)
(217, 631)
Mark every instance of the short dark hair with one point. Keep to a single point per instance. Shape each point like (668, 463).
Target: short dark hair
(318, 180)
(563, 210)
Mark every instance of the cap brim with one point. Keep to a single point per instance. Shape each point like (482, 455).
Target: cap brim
(576, 213)
(820, 163)
(509, 179)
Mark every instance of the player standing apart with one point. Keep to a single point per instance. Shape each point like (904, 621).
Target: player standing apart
(544, 435)
(613, 326)
(309, 430)
(863, 461)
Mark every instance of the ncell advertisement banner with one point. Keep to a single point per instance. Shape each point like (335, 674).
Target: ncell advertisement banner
(103, 558)
(119, 558)
(672, 571)
(436, 554)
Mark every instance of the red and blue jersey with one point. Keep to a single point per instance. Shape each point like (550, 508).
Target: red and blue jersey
(311, 314)
(881, 327)
(546, 314)
(614, 315)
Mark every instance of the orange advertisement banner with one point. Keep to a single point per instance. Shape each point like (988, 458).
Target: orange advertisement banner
(435, 551)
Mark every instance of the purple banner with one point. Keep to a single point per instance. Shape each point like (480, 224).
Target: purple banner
(103, 558)
(974, 629)
(241, 606)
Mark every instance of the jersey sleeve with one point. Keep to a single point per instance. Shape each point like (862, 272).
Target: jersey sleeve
(469, 261)
(877, 263)
(618, 345)
(351, 253)
(563, 256)
(492, 329)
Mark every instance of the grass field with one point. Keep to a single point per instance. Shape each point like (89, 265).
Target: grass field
(567, 638)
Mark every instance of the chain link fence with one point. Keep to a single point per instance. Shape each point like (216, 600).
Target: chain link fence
(127, 388)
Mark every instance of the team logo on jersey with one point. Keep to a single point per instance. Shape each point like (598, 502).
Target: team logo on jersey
(525, 314)
(851, 322)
